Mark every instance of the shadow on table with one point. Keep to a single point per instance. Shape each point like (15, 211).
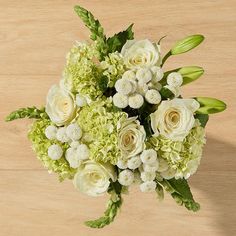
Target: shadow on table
(218, 166)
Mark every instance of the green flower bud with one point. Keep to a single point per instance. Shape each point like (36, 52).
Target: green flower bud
(210, 105)
(190, 73)
(187, 44)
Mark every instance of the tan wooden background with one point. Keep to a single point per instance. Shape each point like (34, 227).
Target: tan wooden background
(35, 36)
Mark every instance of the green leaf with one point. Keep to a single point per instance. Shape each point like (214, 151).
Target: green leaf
(116, 42)
(210, 105)
(29, 112)
(113, 207)
(166, 93)
(181, 193)
(189, 74)
(187, 44)
(203, 118)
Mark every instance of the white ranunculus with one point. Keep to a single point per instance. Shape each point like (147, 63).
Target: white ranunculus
(120, 100)
(126, 177)
(142, 53)
(173, 119)
(93, 178)
(148, 186)
(131, 137)
(55, 152)
(60, 105)
(174, 79)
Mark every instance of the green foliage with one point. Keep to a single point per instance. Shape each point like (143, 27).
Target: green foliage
(166, 93)
(189, 74)
(113, 207)
(116, 42)
(29, 112)
(210, 105)
(187, 44)
(203, 118)
(181, 193)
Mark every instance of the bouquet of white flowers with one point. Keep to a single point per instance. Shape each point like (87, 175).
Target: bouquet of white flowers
(117, 119)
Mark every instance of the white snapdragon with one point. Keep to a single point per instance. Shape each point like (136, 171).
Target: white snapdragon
(174, 79)
(152, 96)
(134, 162)
(148, 186)
(149, 156)
(62, 136)
(126, 177)
(51, 132)
(55, 152)
(74, 132)
(136, 101)
(80, 100)
(120, 100)
(83, 152)
(144, 75)
(148, 176)
(123, 86)
(72, 157)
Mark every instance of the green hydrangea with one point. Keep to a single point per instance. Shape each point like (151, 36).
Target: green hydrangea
(180, 154)
(81, 74)
(40, 146)
(99, 124)
(113, 68)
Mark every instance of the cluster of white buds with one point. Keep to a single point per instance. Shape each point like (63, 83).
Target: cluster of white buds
(71, 134)
(138, 85)
(174, 81)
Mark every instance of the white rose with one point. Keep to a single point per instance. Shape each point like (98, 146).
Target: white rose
(120, 100)
(50, 132)
(126, 177)
(131, 137)
(60, 105)
(55, 152)
(173, 119)
(141, 53)
(74, 132)
(148, 186)
(93, 178)
(136, 101)
(174, 79)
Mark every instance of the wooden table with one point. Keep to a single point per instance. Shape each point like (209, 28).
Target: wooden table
(34, 39)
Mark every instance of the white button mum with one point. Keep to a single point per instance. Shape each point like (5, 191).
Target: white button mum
(83, 152)
(74, 132)
(168, 174)
(62, 136)
(144, 75)
(123, 86)
(120, 100)
(174, 79)
(136, 101)
(129, 74)
(122, 164)
(72, 157)
(157, 73)
(55, 152)
(148, 186)
(149, 156)
(151, 167)
(50, 132)
(126, 177)
(134, 162)
(152, 96)
(148, 176)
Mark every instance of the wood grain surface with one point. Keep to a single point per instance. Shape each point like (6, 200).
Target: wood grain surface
(34, 39)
